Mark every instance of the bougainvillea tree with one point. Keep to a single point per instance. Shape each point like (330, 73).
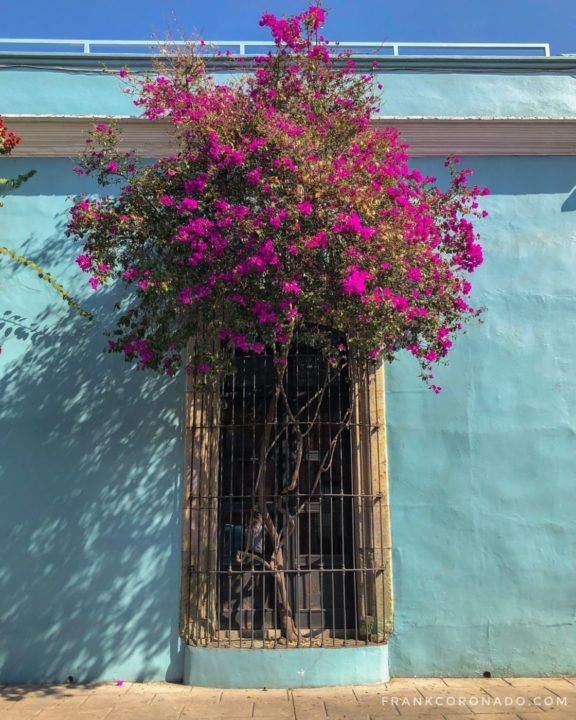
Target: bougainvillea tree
(283, 210)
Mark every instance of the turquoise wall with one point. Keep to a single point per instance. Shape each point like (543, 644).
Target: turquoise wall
(90, 471)
(482, 475)
(435, 92)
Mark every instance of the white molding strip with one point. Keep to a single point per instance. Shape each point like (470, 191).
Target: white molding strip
(486, 136)
(64, 136)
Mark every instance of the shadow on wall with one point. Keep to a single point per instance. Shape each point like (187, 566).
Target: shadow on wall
(569, 204)
(90, 470)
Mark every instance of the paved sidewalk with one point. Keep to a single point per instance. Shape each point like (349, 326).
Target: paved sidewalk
(408, 699)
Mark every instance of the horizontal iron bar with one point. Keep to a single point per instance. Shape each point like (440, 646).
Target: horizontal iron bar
(375, 570)
(274, 496)
(241, 45)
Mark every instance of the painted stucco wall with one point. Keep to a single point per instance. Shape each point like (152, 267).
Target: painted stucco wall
(90, 471)
(481, 476)
(529, 93)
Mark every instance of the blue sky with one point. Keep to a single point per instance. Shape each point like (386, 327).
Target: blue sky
(552, 21)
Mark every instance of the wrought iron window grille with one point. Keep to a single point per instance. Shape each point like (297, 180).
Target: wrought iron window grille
(290, 550)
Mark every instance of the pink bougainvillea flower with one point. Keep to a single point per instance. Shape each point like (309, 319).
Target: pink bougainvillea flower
(355, 282)
(291, 287)
(305, 207)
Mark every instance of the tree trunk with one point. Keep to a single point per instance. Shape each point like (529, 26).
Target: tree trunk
(277, 561)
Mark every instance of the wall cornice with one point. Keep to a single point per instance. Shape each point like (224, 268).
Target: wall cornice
(64, 136)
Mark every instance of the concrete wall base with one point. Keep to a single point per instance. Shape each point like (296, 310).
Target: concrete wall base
(286, 667)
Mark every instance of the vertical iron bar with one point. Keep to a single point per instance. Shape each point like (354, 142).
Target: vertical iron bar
(229, 489)
(342, 515)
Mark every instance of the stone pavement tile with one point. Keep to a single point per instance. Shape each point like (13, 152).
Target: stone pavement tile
(429, 684)
(544, 688)
(28, 707)
(567, 711)
(505, 700)
(552, 701)
(20, 714)
(98, 700)
(269, 695)
(74, 698)
(511, 715)
(454, 712)
(472, 700)
(561, 691)
(280, 709)
(460, 681)
(339, 691)
(450, 701)
(164, 688)
(341, 694)
(197, 709)
(95, 699)
(493, 685)
(528, 682)
(408, 693)
(562, 713)
(556, 700)
(512, 710)
(346, 712)
(105, 688)
(376, 709)
(207, 695)
(432, 715)
(299, 697)
(44, 689)
(482, 711)
(391, 714)
(256, 695)
(370, 693)
(76, 701)
(345, 708)
(399, 701)
(176, 701)
(559, 685)
(311, 702)
(53, 692)
(7, 706)
(145, 712)
(63, 712)
(407, 684)
(476, 684)
(314, 707)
